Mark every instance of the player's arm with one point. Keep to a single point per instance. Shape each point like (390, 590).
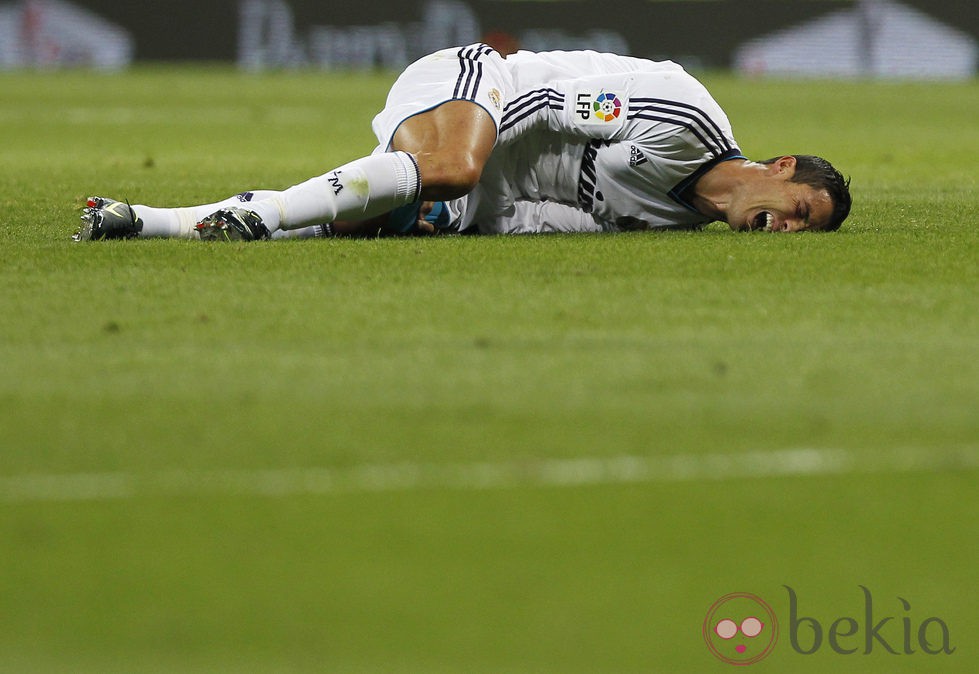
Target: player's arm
(544, 217)
(591, 107)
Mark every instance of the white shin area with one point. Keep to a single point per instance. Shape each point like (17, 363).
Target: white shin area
(361, 189)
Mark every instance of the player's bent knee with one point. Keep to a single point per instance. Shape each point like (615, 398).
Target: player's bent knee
(450, 179)
(458, 183)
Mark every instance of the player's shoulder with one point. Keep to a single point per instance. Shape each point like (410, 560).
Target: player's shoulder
(663, 77)
(589, 62)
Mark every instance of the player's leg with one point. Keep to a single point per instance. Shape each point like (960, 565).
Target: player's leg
(436, 155)
(358, 190)
(438, 129)
(180, 222)
(105, 218)
(451, 145)
(342, 194)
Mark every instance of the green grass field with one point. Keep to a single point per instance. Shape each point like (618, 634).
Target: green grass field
(538, 454)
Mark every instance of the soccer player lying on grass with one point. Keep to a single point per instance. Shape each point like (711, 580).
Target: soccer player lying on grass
(473, 142)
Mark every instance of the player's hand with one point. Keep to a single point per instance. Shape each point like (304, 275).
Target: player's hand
(423, 225)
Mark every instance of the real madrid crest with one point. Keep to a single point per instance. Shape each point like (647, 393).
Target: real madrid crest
(496, 98)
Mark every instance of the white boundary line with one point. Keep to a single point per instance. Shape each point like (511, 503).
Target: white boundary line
(408, 476)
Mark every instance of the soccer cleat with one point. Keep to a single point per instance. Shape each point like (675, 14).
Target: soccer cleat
(104, 218)
(232, 224)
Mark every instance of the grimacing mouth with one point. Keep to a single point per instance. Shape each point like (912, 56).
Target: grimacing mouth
(762, 221)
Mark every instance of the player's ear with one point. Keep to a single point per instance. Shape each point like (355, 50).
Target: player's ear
(785, 166)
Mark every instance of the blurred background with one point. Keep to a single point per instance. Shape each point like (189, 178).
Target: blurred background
(911, 39)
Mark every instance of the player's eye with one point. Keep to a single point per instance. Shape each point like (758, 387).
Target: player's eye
(802, 212)
(751, 627)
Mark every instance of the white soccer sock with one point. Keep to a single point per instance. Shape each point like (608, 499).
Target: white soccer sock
(308, 232)
(361, 189)
(161, 222)
(178, 223)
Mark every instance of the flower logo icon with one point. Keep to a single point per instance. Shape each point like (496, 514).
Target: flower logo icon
(740, 628)
(607, 107)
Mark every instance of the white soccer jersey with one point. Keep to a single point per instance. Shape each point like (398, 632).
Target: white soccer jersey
(587, 141)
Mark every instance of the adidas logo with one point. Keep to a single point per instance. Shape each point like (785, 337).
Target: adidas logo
(636, 157)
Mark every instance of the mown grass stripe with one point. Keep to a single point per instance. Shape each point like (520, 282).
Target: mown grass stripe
(412, 476)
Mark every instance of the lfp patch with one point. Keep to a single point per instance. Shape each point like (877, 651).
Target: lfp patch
(604, 108)
(607, 107)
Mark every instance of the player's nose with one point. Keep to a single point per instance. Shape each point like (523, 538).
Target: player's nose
(788, 225)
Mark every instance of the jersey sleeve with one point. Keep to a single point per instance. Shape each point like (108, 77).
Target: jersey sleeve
(662, 106)
(543, 217)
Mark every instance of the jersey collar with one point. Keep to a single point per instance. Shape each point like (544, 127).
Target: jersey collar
(681, 191)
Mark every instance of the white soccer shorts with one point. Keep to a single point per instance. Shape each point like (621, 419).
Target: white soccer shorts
(474, 73)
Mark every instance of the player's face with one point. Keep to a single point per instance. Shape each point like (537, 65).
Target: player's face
(797, 208)
(776, 204)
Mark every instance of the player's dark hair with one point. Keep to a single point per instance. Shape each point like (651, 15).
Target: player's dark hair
(820, 174)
